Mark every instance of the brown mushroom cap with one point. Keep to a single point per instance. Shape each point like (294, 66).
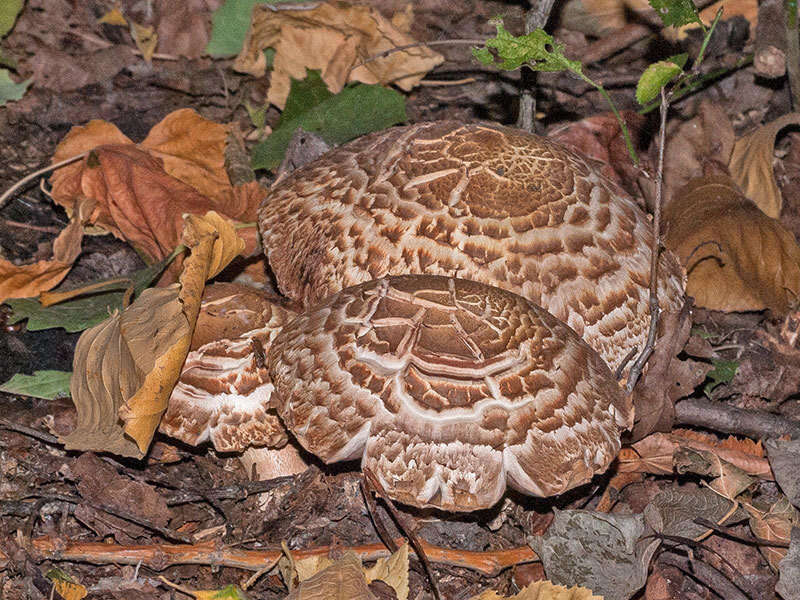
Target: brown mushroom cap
(223, 394)
(481, 202)
(447, 389)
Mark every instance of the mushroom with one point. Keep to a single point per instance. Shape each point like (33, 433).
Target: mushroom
(448, 390)
(480, 202)
(223, 394)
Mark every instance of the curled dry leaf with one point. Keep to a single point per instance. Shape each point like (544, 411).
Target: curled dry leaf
(335, 39)
(773, 523)
(22, 281)
(143, 191)
(125, 368)
(736, 257)
(751, 165)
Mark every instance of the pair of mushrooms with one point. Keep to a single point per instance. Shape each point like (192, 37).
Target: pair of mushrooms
(467, 291)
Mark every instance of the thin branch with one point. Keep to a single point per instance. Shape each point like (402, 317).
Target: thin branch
(28, 178)
(162, 556)
(718, 416)
(655, 249)
(536, 18)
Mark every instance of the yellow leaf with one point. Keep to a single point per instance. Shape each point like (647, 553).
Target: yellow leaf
(334, 38)
(543, 590)
(751, 165)
(66, 585)
(736, 257)
(146, 40)
(113, 17)
(125, 368)
(392, 571)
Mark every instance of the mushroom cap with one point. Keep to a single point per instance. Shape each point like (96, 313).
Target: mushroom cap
(223, 393)
(447, 389)
(478, 201)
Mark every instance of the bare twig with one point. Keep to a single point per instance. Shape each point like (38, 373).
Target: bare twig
(793, 51)
(29, 431)
(712, 578)
(372, 509)
(162, 556)
(655, 249)
(745, 539)
(413, 538)
(718, 416)
(536, 18)
(28, 178)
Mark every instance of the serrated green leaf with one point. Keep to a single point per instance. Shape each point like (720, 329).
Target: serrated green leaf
(229, 25)
(337, 118)
(679, 59)
(537, 49)
(82, 312)
(42, 384)
(9, 10)
(723, 372)
(9, 89)
(676, 12)
(655, 77)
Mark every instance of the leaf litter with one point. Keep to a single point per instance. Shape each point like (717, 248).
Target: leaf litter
(188, 150)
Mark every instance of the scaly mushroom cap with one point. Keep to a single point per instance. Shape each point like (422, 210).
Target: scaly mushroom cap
(448, 389)
(223, 394)
(481, 202)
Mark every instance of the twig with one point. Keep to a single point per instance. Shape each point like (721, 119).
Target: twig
(745, 539)
(413, 538)
(168, 533)
(28, 178)
(372, 509)
(718, 416)
(536, 18)
(792, 51)
(162, 556)
(655, 249)
(29, 431)
(231, 492)
(709, 576)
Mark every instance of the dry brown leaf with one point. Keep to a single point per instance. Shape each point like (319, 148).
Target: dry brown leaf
(23, 281)
(652, 454)
(393, 571)
(729, 480)
(543, 590)
(751, 165)
(736, 257)
(125, 368)
(146, 40)
(774, 524)
(137, 199)
(193, 150)
(332, 38)
(182, 27)
(341, 580)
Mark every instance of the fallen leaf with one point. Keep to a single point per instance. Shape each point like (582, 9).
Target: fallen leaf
(393, 571)
(113, 17)
(143, 192)
(336, 39)
(21, 281)
(338, 118)
(652, 454)
(751, 165)
(736, 257)
(599, 137)
(42, 384)
(542, 590)
(125, 368)
(789, 568)
(673, 511)
(606, 553)
(784, 457)
(146, 40)
(181, 27)
(773, 523)
(341, 580)
(729, 480)
(66, 585)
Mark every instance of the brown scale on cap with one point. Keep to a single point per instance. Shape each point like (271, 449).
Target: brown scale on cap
(480, 202)
(448, 390)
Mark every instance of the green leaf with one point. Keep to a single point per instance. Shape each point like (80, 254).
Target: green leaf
(538, 50)
(42, 384)
(338, 118)
(9, 90)
(655, 77)
(229, 25)
(9, 10)
(676, 12)
(723, 372)
(82, 312)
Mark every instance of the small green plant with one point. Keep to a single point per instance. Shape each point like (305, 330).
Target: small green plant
(540, 52)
